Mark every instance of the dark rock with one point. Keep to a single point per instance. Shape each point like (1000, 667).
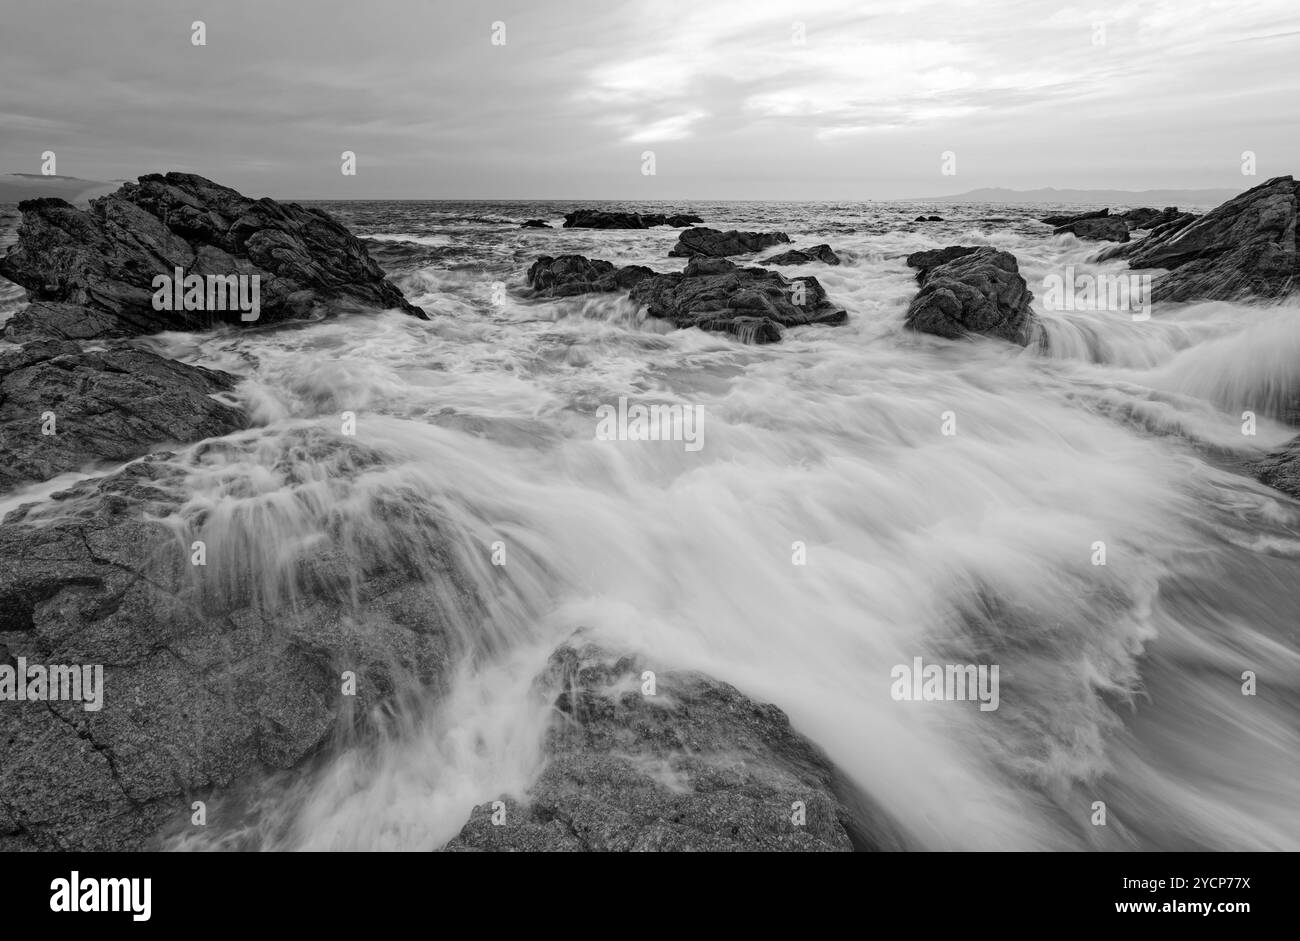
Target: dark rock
(928, 219)
(736, 770)
(752, 304)
(105, 258)
(926, 260)
(1281, 469)
(106, 406)
(213, 675)
(803, 256)
(1246, 248)
(1146, 217)
(1059, 221)
(975, 291)
(568, 275)
(600, 219)
(715, 244)
(1157, 231)
(1103, 228)
(534, 224)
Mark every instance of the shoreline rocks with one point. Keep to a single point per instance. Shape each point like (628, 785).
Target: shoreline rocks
(601, 219)
(105, 259)
(803, 256)
(698, 766)
(970, 290)
(715, 244)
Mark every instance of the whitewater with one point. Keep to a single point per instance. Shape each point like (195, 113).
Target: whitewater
(1120, 683)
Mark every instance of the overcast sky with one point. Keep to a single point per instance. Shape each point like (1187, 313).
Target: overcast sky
(732, 104)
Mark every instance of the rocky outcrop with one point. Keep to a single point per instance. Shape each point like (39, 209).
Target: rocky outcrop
(697, 766)
(212, 674)
(752, 304)
(1281, 469)
(105, 259)
(1103, 228)
(62, 409)
(568, 275)
(534, 224)
(1058, 221)
(928, 219)
(967, 290)
(714, 244)
(1246, 248)
(600, 219)
(804, 256)
(1146, 217)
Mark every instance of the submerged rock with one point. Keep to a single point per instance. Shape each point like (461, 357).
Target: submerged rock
(105, 259)
(534, 224)
(600, 219)
(971, 290)
(715, 244)
(1281, 469)
(1246, 248)
(62, 409)
(803, 256)
(697, 766)
(212, 674)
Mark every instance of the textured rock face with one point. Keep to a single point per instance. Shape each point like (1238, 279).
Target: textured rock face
(973, 291)
(599, 219)
(1281, 469)
(1058, 221)
(753, 304)
(697, 766)
(714, 244)
(804, 256)
(1106, 228)
(209, 675)
(1148, 218)
(1245, 248)
(105, 259)
(62, 409)
(568, 275)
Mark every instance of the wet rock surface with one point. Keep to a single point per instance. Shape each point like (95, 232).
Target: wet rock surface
(970, 290)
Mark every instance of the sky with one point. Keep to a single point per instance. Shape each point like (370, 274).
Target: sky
(735, 99)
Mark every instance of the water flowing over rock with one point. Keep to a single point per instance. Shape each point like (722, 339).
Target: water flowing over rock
(211, 673)
(697, 766)
(1246, 248)
(965, 290)
(62, 409)
(1281, 469)
(715, 244)
(600, 219)
(105, 259)
(804, 256)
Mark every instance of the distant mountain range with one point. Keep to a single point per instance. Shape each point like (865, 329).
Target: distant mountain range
(1130, 198)
(15, 187)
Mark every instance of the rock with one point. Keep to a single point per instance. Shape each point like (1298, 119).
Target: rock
(1059, 221)
(1246, 248)
(105, 406)
(928, 219)
(1103, 228)
(1158, 230)
(752, 304)
(803, 256)
(600, 219)
(696, 767)
(1146, 217)
(1281, 469)
(213, 675)
(926, 260)
(105, 258)
(973, 291)
(715, 244)
(568, 275)
(534, 224)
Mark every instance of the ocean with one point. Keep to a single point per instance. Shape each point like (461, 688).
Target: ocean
(949, 498)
